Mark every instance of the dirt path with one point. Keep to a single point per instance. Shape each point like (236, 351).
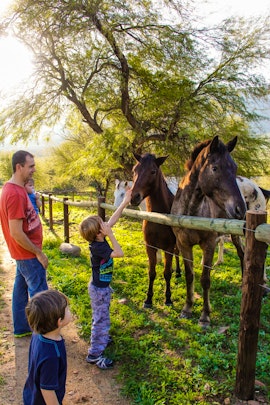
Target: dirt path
(86, 384)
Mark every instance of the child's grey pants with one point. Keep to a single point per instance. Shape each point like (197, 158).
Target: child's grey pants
(100, 304)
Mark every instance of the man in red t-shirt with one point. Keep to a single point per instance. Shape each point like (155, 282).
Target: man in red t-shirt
(22, 230)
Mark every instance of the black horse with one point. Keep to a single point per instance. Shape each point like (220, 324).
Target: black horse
(209, 189)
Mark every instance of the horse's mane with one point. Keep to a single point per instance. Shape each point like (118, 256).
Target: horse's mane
(198, 148)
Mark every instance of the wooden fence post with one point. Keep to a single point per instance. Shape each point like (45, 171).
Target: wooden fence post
(42, 206)
(254, 262)
(50, 212)
(66, 220)
(101, 211)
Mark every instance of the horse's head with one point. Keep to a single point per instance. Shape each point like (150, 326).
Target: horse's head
(146, 176)
(251, 193)
(217, 178)
(121, 186)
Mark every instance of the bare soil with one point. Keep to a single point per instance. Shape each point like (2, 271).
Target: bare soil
(86, 384)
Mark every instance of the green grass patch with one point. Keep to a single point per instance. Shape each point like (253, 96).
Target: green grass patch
(163, 359)
(2, 381)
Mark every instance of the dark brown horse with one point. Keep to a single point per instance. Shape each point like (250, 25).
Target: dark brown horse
(209, 189)
(149, 184)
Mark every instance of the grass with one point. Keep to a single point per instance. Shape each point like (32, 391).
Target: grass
(162, 359)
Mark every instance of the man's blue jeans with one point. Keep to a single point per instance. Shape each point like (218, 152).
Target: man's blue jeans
(30, 278)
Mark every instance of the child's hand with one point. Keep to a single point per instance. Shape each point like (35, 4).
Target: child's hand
(105, 229)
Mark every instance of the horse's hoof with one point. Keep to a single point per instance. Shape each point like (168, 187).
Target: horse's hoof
(178, 275)
(168, 304)
(147, 305)
(185, 315)
(204, 324)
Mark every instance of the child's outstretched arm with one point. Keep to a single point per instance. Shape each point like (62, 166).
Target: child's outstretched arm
(107, 231)
(116, 215)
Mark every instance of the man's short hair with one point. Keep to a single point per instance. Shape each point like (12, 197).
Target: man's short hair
(19, 157)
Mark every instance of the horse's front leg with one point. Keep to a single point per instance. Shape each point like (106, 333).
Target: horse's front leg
(178, 272)
(189, 276)
(167, 276)
(152, 261)
(208, 254)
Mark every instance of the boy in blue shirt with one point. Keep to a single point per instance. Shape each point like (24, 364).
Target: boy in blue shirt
(33, 195)
(47, 313)
(94, 230)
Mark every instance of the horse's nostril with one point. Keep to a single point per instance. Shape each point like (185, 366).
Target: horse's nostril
(136, 199)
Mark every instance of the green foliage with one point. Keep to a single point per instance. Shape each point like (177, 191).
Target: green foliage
(162, 358)
(5, 167)
(120, 76)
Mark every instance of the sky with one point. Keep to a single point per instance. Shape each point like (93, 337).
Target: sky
(16, 65)
(15, 62)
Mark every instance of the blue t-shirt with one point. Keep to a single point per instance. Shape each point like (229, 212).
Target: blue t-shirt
(33, 200)
(102, 263)
(47, 369)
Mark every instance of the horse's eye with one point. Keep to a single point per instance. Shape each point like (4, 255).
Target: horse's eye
(215, 168)
(153, 171)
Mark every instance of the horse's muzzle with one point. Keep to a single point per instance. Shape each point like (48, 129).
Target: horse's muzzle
(136, 199)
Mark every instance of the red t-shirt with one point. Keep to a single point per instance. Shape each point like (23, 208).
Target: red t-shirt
(15, 204)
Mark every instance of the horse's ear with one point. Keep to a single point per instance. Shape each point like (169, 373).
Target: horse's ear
(137, 157)
(214, 144)
(160, 160)
(231, 144)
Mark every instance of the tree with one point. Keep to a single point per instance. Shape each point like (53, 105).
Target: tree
(132, 76)
(5, 167)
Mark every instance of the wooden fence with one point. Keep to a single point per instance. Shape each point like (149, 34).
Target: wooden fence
(257, 236)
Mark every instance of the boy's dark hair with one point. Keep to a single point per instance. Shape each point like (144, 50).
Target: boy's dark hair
(44, 309)
(20, 157)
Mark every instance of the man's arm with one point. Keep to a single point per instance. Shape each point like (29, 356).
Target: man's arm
(16, 232)
(50, 397)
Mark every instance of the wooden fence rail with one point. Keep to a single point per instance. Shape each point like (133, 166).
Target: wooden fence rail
(223, 226)
(257, 236)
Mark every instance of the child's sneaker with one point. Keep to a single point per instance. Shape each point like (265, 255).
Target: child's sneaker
(100, 361)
